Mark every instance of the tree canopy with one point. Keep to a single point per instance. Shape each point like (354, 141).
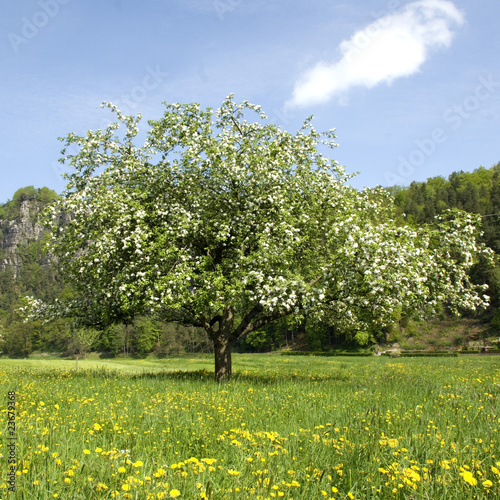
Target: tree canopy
(235, 223)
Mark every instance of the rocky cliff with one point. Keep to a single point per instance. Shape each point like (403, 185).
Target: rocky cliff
(22, 229)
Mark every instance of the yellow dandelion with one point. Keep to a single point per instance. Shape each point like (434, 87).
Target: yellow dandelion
(468, 478)
(392, 443)
(87, 452)
(174, 493)
(209, 461)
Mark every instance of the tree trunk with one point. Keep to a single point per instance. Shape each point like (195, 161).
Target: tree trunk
(222, 352)
(223, 345)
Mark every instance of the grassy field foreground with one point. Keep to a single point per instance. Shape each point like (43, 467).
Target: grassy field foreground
(293, 428)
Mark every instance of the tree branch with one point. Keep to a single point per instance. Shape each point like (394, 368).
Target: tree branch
(237, 126)
(241, 329)
(250, 327)
(215, 319)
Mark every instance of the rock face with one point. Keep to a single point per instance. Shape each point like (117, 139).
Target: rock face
(21, 230)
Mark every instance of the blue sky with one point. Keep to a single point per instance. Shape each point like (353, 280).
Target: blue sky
(412, 87)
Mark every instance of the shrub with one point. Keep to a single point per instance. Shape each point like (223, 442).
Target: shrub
(325, 353)
(428, 354)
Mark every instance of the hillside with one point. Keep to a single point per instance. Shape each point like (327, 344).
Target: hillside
(24, 268)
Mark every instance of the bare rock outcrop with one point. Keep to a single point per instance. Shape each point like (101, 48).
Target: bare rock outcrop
(19, 231)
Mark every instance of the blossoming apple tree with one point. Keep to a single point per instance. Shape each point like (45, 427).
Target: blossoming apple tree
(238, 223)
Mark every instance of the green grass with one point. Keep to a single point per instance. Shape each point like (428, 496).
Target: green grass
(126, 365)
(285, 427)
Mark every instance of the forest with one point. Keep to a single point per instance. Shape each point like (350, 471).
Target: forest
(475, 192)
(27, 270)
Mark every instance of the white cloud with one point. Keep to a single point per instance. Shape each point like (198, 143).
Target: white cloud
(393, 46)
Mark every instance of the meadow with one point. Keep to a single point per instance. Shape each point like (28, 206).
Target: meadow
(284, 427)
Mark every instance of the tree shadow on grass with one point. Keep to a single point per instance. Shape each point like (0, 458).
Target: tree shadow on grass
(244, 376)
(207, 376)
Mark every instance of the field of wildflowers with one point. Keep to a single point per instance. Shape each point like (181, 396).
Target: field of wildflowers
(292, 428)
